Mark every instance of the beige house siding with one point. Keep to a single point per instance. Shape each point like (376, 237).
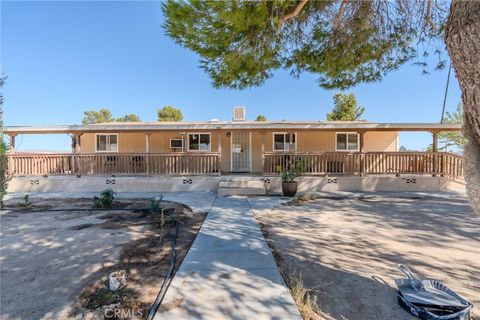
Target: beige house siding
(128, 142)
(315, 141)
(307, 141)
(381, 141)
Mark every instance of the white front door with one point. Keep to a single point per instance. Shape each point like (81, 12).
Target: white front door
(241, 151)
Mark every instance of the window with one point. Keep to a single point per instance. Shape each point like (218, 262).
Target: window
(106, 143)
(281, 141)
(347, 141)
(176, 143)
(199, 141)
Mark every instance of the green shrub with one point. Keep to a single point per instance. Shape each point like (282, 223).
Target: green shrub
(295, 168)
(4, 175)
(27, 204)
(155, 204)
(105, 201)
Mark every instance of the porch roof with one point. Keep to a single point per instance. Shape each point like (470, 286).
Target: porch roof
(230, 125)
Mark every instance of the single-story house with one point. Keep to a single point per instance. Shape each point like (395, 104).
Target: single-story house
(237, 146)
(336, 155)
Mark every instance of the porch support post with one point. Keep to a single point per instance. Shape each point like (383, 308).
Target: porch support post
(12, 144)
(263, 151)
(219, 150)
(361, 135)
(76, 149)
(434, 149)
(147, 151)
(74, 152)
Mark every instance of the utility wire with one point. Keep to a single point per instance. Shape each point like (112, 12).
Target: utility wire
(446, 92)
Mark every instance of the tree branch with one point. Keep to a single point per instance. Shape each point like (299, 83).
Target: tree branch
(295, 12)
(428, 17)
(339, 14)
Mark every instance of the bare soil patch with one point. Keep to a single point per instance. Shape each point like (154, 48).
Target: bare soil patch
(127, 237)
(346, 250)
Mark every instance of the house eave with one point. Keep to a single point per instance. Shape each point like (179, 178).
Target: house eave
(251, 125)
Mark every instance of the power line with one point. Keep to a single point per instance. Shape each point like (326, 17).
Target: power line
(446, 92)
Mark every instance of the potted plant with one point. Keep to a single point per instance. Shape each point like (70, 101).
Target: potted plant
(294, 170)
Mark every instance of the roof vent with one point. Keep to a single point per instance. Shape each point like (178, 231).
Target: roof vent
(239, 114)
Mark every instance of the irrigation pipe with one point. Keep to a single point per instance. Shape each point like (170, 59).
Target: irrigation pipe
(167, 279)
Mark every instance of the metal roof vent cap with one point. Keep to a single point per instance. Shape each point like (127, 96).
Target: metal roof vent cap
(239, 113)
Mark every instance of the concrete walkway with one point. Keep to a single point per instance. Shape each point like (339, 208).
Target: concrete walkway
(229, 272)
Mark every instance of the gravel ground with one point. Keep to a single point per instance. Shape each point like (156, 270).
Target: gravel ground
(347, 249)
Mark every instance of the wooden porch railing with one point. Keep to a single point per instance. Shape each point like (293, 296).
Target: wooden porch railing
(432, 163)
(114, 163)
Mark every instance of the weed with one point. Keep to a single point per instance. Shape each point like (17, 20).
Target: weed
(27, 204)
(155, 204)
(105, 200)
(302, 296)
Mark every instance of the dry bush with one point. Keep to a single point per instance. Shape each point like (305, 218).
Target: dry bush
(303, 297)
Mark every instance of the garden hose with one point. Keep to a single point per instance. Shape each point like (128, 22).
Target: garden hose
(167, 279)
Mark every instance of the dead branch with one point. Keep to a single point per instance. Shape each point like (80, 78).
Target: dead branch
(428, 17)
(339, 14)
(295, 12)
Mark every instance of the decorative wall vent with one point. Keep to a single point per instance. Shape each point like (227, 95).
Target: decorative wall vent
(187, 181)
(110, 181)
(410, 180)
(267, 181)
(239, 114)
(332, 180)
(34, 182)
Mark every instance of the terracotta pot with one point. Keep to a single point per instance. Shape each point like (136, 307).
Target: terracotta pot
(289, 188)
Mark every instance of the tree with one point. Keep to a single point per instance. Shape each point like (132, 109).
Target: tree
(345, 108)
(129, 118)
(169, 113)
(450, 139)
(4, 175)
(101, 116)
(261, 117)
(241, 43)
(3, 146)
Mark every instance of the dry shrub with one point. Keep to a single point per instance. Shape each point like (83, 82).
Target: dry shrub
(303, 297)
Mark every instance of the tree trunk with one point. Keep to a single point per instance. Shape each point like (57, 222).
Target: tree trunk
(462, 38)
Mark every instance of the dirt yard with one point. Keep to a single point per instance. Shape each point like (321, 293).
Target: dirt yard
(54, 264)
(347, 249)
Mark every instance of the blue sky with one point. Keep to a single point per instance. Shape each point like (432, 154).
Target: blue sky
(63, 58)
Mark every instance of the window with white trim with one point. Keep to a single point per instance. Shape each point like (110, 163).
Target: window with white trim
(106, 143)
(199, 141)
(281, 141)
(347, 141)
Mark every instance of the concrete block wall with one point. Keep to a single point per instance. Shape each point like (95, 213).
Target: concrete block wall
(273, 185)
(120, 184)
(370, 183)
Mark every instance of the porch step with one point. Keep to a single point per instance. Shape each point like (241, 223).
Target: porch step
(241, 186)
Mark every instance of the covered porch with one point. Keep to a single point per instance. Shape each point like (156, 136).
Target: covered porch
(248, 143)
(367, 163)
